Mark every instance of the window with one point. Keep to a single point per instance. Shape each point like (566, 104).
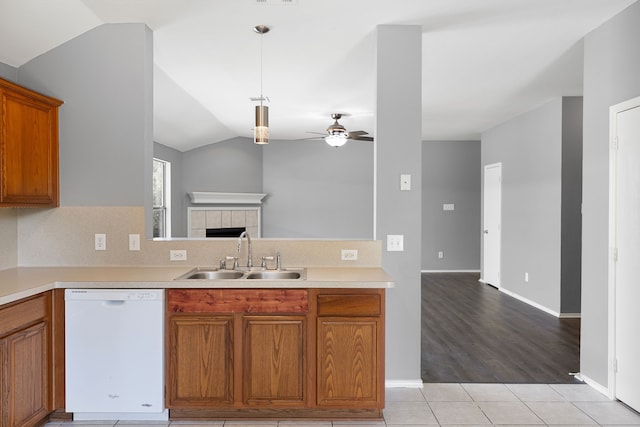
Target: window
(161, 198)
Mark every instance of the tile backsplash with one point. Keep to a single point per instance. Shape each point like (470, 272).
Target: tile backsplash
(65, 237)
(8, 238)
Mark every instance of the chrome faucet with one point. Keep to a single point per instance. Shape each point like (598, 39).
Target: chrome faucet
(249, 255)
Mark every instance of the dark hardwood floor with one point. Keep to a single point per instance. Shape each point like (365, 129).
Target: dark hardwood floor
(471, 332)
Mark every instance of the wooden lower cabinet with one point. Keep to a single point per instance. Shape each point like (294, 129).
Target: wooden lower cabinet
(275, 353)
(201, 361)
(25, 353)
(350, 351)
(348, 362)
(274, 360)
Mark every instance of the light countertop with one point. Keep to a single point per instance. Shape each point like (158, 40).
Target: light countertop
(23, 282)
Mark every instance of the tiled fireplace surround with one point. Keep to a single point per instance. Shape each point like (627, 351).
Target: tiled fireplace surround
(201, 218)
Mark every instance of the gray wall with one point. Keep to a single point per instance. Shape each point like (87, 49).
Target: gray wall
(530, 150)
(8, 216)
(104, 77)
(451, 173)
(313, 190)
(178, 200)
(398, 150)
(8, 72)
(318, 191)
(611, 70)
(571, 205)
(233, 166)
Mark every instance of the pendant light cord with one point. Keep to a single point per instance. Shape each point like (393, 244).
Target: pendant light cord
(261, 96)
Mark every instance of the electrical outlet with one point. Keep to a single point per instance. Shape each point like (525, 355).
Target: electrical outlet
(134, 242)
(100, 241)
(178, 255)
(440, 255)
(405, 182)
(395, 243)
(349, 255)
(526, 277)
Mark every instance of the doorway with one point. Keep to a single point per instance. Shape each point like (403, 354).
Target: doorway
(492, 217)
(624, 292)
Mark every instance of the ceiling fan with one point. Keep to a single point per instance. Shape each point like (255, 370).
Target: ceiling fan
(337, 135)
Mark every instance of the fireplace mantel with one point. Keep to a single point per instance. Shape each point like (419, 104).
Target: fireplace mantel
(214, 198)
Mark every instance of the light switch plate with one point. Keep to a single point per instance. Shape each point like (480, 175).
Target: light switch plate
(100, 241)
(395, 243)
(448, 207)
(134, 242)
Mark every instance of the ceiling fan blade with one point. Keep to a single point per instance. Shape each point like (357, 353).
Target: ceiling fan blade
(357, 133)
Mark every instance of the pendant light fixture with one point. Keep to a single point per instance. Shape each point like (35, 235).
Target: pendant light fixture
(261, 130)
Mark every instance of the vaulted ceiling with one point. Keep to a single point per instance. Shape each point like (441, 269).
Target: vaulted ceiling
(484, 61)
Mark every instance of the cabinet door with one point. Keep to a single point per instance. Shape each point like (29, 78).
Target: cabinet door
(26, 376)
(348, 362)
(28, 151)
(200, 368)
(274, 362)
(4, 387)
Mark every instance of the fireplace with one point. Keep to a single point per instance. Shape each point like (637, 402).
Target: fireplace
(227, 221)
(225, 232)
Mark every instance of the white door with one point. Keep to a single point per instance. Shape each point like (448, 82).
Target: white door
(492, 216)
(627, 284)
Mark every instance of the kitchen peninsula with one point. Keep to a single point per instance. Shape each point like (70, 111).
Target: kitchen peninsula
(284, 349)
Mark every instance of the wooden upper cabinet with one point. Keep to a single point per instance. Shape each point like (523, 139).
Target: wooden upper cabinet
(28, 148)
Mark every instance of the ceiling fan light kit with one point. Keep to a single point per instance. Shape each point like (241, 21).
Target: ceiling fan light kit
(338, 135)
(261, 129)
(337, 140)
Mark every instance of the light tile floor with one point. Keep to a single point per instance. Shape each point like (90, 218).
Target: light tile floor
(566, 405)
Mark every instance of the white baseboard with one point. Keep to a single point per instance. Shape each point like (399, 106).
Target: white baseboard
(570, 315)
(541, 307)
(531, 303)
(595, 385)
(450, 271)
(403, 384)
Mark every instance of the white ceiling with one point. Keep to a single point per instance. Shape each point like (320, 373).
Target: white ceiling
(484, 61)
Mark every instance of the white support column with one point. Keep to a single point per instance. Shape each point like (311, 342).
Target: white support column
(398, 147)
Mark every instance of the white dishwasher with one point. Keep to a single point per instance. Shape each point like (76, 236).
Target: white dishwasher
(114, 342)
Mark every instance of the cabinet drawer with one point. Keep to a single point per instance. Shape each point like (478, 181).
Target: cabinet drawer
(349, 305)
(238, 300)
(17, 315)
